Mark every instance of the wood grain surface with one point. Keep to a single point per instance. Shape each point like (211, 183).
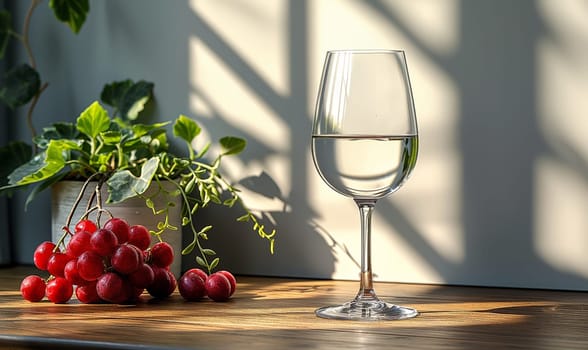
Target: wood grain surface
(275, 313)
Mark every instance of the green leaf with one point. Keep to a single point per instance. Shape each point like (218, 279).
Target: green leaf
(134, 99)
(19, 85)
(186, 128)
(143, 129)
(208, 251)
(189, 248)
(93, 120)
(214, 263)
(232, 145)
(201, 261)
(55, 132)
(5, 30)
(13, 155)
(43, 165)
(127, 97)
(72, 12)
(112, 93)
(111, 137)
(123, 184)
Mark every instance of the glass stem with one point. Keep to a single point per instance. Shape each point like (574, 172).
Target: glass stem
(366, 291)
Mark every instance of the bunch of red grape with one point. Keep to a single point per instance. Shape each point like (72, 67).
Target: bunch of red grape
(113, 264)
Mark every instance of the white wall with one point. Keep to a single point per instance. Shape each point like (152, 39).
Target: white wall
(500, 191)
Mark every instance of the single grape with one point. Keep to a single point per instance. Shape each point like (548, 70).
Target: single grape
(86, 225)
(200, 273)
(191, 285)
(142, 277)
(164, 283)
(32, 288)
(120, 228)
(125, 259)
(90, 265)
(56, 264)
(87, 293)
(231, 279)
(79, 243)
(70, 272)
(42, 254)
(162, 254)
(104, 242)
(139, 236)
(59, 290)
(140, 252)
(113, 288)
(218, 287)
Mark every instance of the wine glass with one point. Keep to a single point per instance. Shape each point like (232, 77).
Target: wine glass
(364, 146)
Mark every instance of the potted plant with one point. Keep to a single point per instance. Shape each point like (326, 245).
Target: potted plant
(129, 159)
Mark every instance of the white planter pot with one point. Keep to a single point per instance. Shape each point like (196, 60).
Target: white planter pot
(133, 210)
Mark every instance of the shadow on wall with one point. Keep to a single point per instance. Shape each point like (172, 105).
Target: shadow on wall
(300, 247)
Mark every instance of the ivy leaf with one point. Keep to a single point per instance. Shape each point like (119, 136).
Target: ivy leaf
(44, 165)
(111, 137)
(72, 12)
(13, 155)
(127, 97)
(111, 93)
(123, 184)
(5, 30)
(186, 128)
(232, 145)
(135, 99)
(19, 85)
(93, 120)
(56, 131)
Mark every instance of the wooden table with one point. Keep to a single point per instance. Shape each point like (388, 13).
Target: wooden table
(274, 313)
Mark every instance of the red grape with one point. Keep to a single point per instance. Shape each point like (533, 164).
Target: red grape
(162, 254)
(59, 290)
(142, 277)
(191, 285)
(125, 259)
(85, 225)
(56, 264)
(42, 254)
(120, 228)
(200, 273)
(231, 279)
(87, 293)
(79, 243)
(104, 242)
(90, 265)
(218, 287)
(164, 283)
(32, 288)
(139, 236)
(113, 288)
(70, 272)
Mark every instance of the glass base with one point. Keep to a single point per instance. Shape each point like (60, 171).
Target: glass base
(366, 311)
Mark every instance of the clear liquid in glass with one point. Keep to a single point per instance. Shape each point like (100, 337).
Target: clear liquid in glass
(365, 166)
